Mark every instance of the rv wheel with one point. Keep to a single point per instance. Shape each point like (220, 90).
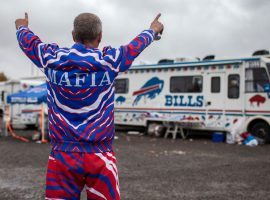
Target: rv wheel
(155, 129)
(159, 130)
(151, 129)
(261, 130)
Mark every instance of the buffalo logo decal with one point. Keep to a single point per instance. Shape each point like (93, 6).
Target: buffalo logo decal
(257, 99)
(150, 90)
(120, 100)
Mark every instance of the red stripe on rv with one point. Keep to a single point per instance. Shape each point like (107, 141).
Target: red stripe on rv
(144, 90)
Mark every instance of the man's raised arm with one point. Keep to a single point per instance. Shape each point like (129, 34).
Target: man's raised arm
(128, 53)
(31, 45)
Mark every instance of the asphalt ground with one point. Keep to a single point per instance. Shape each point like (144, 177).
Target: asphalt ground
(152, 169)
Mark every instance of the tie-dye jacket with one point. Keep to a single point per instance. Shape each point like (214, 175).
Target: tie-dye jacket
(80, 83)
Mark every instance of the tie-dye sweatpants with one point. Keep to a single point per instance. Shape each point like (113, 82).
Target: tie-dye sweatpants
(69, 172)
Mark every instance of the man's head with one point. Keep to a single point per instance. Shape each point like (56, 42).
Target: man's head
(87, 29)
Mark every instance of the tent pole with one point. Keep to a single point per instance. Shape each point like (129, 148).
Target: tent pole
(43, 140)
(7, 119)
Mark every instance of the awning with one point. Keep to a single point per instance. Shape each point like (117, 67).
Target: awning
(34, 95)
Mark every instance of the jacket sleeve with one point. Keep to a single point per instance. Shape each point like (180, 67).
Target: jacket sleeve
(34, 48)
(123, 57)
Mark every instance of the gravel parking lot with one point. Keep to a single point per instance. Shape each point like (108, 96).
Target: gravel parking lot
(152, 169)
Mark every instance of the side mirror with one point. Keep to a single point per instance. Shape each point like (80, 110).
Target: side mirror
(266, 87)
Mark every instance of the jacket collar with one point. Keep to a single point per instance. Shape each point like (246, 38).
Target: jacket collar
(82, 47)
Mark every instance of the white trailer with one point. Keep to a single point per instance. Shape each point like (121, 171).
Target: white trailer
(21, 115)
(6, 88)
(216, 93)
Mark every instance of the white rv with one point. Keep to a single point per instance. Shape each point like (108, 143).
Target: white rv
(22, 115)
(6, 88)
(216, 93)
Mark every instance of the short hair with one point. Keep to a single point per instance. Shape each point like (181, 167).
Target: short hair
(87, 27)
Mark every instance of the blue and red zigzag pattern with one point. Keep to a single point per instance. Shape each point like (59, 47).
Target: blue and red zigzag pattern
(81, 112)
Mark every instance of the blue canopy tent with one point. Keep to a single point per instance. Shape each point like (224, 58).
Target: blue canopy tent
(34, 95)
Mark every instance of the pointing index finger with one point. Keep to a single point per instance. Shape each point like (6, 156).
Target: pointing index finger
(157, 17)
(26, 16)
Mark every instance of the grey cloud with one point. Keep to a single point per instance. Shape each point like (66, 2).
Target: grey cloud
(192, 28)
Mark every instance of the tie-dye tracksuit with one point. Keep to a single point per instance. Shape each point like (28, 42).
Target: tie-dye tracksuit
(80, 83)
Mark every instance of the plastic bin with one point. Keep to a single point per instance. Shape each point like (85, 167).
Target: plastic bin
(218, 137)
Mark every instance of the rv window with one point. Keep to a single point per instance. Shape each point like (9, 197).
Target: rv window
(233, 86)
(186, 84)
(215, 84)
(268, 67)
(121, 86)
(256, 78)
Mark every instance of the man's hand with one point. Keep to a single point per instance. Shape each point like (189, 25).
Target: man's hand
(157, 27)
(22, 22)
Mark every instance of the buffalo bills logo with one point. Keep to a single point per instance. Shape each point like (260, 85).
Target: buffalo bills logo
(267, 89)
(258, 99)
(120, 100)
(150, 90)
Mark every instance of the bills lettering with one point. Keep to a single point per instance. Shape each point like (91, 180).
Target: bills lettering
(183, 101)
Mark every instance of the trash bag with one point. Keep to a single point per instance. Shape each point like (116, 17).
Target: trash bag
(233, 136)
(250, 141)
(230, 138)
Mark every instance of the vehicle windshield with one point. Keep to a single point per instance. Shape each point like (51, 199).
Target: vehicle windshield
(256, 79)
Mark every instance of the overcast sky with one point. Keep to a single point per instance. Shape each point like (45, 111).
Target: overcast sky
(193, 28)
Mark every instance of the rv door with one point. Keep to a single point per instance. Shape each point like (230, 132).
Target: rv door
(215, 100)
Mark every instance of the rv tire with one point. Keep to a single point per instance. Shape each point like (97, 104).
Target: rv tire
(155, 129)
(1, 113)
(261, 130)
(159, 130)
(150, 129)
